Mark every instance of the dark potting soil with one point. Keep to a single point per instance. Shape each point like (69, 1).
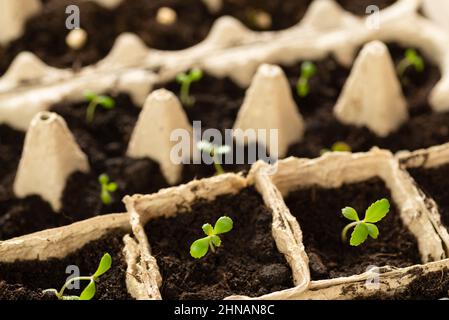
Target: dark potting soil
(430, 286)
(11, 142)
(433, 181)
(25, 280)
(247, 263)
(425, 128)
(318, 211)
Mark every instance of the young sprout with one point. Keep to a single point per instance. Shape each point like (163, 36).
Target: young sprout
(339, 146)
(106, 188)
(88, 292)
(308, 70)
(411, 59)
(214, 151)
(186, 79)
(200, 247)
(95, 100)
(362, 228)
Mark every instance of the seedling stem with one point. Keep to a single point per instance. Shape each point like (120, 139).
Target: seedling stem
(90, 290)
(214, 151)
(186, 79)
(97, 100)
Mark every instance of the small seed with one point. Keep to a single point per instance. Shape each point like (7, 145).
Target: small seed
(76, 39)
(262, 19)
(166, 16)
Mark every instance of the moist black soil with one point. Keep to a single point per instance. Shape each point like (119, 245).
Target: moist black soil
(430, 286)
(104, 141)
(318, 211)
(45, 33)
(433, 182)
(25, 280)
(425, 128)
(247, 263)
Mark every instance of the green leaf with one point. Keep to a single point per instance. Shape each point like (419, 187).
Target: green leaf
(373, 231)
(341, 147)
(350, 214)
(89, 95)
(199, 248)
(223, 225)
(208, 229)
(302, 88)
(359, 234)
(181, 77)
(103, 179)
(415, 59)
(196, 74)
(216, 240)
(89, 292)
(104, 266)
(105, 197)
(106, 102)
(112, 187)
(377, 211)
(308, 69)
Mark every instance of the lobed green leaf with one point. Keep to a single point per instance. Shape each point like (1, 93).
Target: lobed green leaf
(359, 234)
(373, 231)
(216, 240)
(208, 229)
(377, 211)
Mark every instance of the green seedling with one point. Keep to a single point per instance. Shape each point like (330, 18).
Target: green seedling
(89, 292)
(200, 247)
(339, 146)
(106, 188)
(97, 100)
(215, 152)
(411, 59)
(308, 70)
(186, 80)
(362, 228)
